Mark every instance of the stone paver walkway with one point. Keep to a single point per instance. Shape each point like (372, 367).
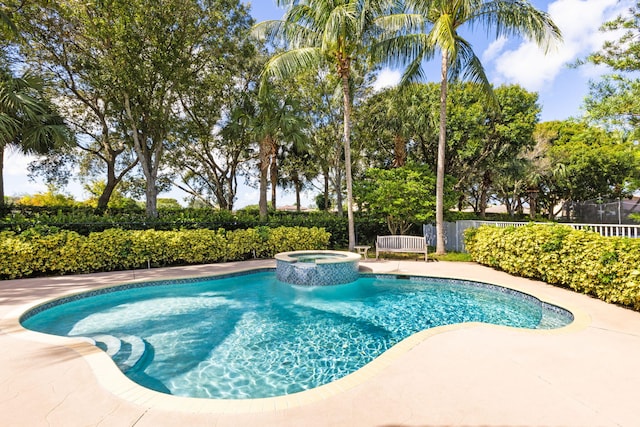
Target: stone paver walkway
(587, 374)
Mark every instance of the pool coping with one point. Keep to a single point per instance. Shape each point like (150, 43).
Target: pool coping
(343, 256)
(111, 378)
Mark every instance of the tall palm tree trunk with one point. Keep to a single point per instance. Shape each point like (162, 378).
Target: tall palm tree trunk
(399, 151)
(440, 247)
(273, 170)
(347, 159)
(264, 169)
(298, 186)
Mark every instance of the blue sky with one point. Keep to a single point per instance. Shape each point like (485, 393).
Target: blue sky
(561, 89)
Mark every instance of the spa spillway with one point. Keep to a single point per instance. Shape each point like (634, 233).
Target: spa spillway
(317, 268)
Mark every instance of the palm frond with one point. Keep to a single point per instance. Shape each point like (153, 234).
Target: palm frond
(340, 29)
(9, 126)
(471, 69)
(443, 34)
(414, 72)
(283, 65)
(402, 23)
(403, 49)
(40, 136)
(518, 18)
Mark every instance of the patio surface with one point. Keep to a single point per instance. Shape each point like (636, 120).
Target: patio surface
(586, 374)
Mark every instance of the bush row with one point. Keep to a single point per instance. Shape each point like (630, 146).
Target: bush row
(49, 251)
(606, 267)
(84, 221)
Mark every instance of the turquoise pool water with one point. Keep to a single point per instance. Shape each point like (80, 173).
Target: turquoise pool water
(250, 336)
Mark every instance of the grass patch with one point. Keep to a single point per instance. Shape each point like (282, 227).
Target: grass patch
(451, 256)
(409, 256)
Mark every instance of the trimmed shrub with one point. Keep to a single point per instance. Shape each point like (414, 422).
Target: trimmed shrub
(605, 267)
(85, 221)
(50, 251)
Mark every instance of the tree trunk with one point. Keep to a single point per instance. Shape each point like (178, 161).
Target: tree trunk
(103, 200)
(151, 192)
(273, 168)
(112, 182)
(298, 185)
(339, 192)
(264, 169)
(347, 160)
(149, 161)
(484, 193)
(399, 151)
(533, 203)
(326, 191)
(442, 140)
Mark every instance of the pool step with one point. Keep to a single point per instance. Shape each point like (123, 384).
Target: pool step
(110, 343)
(125, 350)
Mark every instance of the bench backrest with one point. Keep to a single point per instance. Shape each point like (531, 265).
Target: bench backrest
(400, 242)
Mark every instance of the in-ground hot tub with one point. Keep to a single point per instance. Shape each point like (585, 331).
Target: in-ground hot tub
(317, 268)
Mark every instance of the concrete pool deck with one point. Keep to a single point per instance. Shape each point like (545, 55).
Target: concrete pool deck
(586, 374)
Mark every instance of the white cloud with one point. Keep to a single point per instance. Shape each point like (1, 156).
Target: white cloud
(16, 181)
(15, 163)
(494, 49)
(386, 78)
(578, 20)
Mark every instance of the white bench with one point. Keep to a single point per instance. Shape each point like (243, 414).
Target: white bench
(401, 244)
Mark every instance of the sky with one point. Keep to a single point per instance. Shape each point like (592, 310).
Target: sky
(561, 88)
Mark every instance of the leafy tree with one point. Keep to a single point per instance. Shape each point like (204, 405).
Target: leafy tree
(481, 141)
(322, 203)
(499, 138)
(583, 163)
(168, 203)
(8, 29)
(403, 195)
(443, 20)
(297, 169)
(320, 106)
(622, 54)
(320, 33)
(144, 55)
(52, 198)
(276, 121)
(117, 200)
(213, 141)
(613, 101)
(394, 122)
(95, 114)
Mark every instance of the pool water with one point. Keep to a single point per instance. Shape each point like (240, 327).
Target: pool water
(251, 336)
(303, 257)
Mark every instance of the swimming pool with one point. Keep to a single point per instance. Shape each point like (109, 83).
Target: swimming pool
(249, 335)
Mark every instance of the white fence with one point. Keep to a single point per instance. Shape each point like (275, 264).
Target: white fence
(454, 231)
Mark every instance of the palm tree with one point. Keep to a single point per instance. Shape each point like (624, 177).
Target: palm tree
(7, 26)
(442, 21)
(27, 120)
(275, 120)
(321, 32)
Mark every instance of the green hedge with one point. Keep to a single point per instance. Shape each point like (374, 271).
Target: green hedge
(606, 267)
(46, 251)
(85, 221)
